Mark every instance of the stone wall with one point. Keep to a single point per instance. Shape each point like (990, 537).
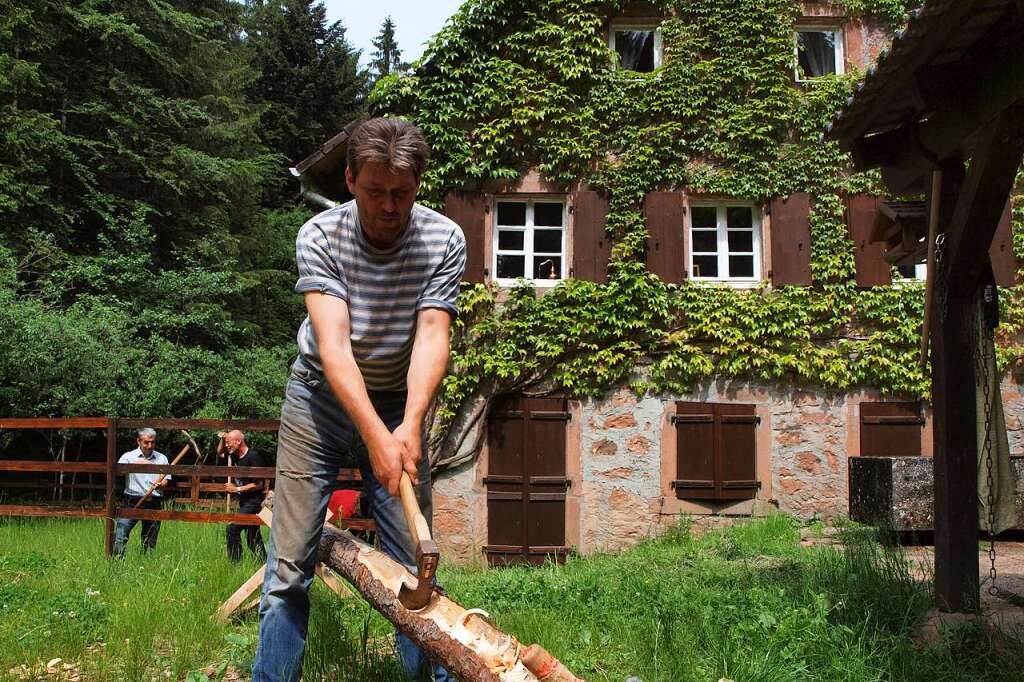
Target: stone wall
(621, 471)
(621, 460)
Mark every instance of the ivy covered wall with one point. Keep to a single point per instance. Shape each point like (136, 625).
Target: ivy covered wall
(510, 85)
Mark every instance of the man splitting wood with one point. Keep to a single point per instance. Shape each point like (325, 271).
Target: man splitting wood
(380, 276)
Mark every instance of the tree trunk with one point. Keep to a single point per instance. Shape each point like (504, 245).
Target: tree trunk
(463, 642)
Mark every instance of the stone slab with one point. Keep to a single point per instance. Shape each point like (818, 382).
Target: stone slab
(898, 492)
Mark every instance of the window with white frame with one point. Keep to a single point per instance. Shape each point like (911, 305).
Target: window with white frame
(638, 44)
(725, 243)
(819, 52)
(529, 240)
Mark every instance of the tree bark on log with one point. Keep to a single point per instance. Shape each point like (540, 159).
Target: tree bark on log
(467, 645)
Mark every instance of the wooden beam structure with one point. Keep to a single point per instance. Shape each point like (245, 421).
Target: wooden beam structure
(202, 424)
(949, 97)
(53, 422)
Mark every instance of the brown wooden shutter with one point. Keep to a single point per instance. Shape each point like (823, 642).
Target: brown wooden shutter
(737, 463)
(666, 241)
(890, 430)
(591, 246)
(716, 451)
(526, 480)
(695, 451)
(791, 240)
(1004, 261)
(546, 479)
(872, 269)
(468, 210)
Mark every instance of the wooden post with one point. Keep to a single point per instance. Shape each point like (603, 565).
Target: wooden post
(956, 457)
(970, 206)
(109, 500)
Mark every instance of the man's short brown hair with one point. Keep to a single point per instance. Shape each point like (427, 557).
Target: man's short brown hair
(392, 142)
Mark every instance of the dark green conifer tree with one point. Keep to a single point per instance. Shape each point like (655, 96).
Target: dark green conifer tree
(131, 168)
(387, 58)
(309, 80)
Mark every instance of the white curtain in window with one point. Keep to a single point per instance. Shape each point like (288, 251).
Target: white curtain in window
(817, 52)
(636, 49)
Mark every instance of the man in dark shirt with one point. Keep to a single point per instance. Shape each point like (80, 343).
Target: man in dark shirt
(250, 497)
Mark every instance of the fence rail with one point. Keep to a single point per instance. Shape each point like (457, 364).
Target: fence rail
(111, 469)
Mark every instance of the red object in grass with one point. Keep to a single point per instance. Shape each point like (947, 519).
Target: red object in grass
(347, 501)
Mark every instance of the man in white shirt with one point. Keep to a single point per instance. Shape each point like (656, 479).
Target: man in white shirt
(135, 488)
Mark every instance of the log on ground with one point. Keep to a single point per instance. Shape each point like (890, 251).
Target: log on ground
(466, 644)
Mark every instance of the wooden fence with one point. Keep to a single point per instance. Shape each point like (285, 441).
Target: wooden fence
(110, 469)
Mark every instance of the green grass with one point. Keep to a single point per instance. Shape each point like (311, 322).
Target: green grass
(749, 604)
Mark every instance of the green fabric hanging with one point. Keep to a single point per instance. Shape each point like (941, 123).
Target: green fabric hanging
(1004, 482)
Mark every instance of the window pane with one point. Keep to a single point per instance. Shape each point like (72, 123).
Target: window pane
(510, 267)
(705, 266)
(705, 241)
(704, 216)
(741, 266)
(512, 213)
(741, 241)
(739, 216)
(547, 241)
(547, 214)
(511, 240)
(817, 53)
(547, 267)
(636, 50)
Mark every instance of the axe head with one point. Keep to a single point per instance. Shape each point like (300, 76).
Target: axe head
(427, 558)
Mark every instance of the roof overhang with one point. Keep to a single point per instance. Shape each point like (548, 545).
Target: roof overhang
(322, 173)
(955, 68)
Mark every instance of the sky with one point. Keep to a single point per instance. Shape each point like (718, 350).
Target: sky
(416, 21)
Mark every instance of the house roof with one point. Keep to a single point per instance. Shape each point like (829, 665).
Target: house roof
(942, 61)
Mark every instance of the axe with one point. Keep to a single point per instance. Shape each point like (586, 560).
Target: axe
(427, 555)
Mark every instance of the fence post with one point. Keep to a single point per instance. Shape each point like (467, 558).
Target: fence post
(110, 501)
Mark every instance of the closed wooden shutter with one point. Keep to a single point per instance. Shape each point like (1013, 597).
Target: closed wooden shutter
(890, 430)
(468, 210)
(872, 269)
(791, 240)
(1004, 261)
(506, 440)
(695, 451)
(716, 451)
(526, 480)
(591, 246)
(666, 243)
(737, 463)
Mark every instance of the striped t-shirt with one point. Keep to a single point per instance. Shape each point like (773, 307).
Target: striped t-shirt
(384, 288)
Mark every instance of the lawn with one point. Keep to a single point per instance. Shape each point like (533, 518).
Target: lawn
(749, 604)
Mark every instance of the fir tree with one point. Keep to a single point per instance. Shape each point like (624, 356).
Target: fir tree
(131, 171)
(309, 79)
(387, 58)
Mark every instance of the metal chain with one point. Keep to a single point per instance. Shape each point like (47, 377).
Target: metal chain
(941, 291)
(979, 332)
(982, 359)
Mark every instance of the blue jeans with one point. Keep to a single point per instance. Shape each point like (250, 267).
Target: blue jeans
(150, 529)
(315, 439)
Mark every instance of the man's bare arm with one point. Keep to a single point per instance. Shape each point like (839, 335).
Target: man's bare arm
(332, 327)
(427, 368)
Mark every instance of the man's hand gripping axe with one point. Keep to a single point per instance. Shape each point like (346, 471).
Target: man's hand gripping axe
(427, 555)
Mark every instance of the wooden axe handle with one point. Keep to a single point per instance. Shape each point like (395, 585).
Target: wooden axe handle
(417, 524)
